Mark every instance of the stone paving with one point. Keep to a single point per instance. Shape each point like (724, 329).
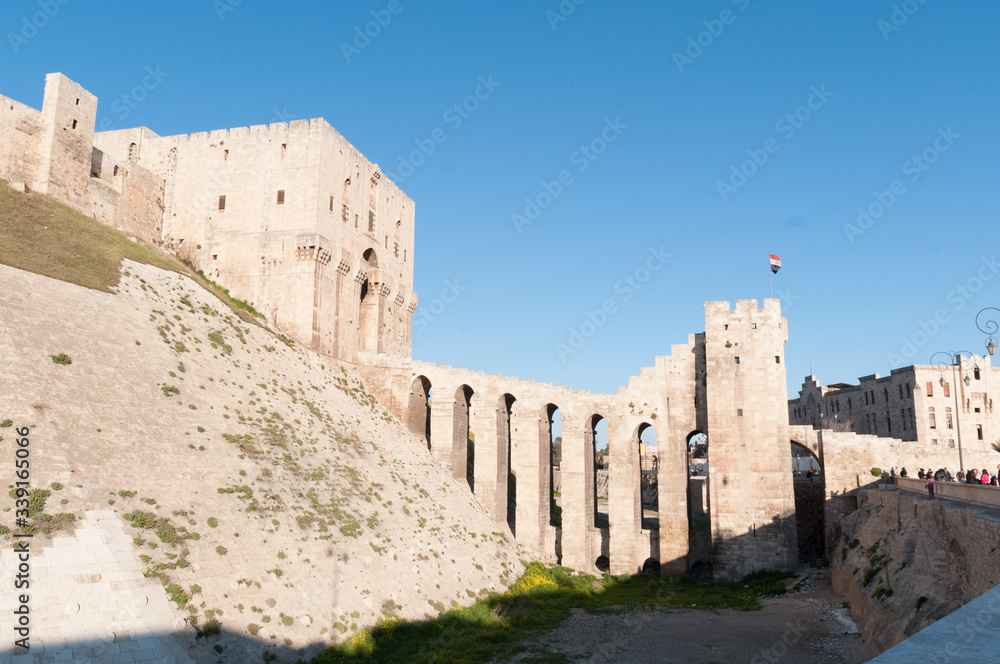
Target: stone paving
(90, 601)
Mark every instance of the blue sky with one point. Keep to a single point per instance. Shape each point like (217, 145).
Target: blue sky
(668, 98)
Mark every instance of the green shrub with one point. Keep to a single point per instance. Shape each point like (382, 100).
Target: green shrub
(170, 390)
(6, 423)
(61, 358)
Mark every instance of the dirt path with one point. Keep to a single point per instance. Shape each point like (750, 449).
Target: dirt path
(800, 627)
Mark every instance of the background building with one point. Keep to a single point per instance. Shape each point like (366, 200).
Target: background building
(942, 406)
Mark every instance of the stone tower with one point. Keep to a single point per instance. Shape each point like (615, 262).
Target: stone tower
(66, 143)
(752, 496)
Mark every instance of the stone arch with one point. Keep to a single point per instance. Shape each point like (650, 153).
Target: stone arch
(645, 443)
(802, 451)
(462, 444)
(810, 503)
(133, 152)
(697, 452)
(418, 409)
(552, 443)
(699, 510)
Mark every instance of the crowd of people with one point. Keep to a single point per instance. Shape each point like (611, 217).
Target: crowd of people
(979, 476)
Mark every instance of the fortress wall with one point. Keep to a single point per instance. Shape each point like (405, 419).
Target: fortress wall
(20, 132)
(750, 483)
(66, 145)
(258, 247)
(140, 208)
(361, 209)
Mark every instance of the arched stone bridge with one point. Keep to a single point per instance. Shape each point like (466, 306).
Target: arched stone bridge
(728, 382)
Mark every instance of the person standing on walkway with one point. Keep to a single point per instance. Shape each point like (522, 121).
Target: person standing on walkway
(929, 483)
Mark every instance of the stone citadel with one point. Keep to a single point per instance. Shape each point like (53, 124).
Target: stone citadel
(293, 219)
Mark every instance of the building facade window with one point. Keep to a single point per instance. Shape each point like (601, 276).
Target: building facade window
(930, 389)
(222, 203)
(979, 431)
(947, 417)
(931, 417)
(947, 389)
(281, 197)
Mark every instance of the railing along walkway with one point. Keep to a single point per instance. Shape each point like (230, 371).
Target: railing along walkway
(977, 494)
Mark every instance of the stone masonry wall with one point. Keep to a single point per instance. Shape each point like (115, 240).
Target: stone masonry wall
(933, 557)
(752, 498)
(20, 129)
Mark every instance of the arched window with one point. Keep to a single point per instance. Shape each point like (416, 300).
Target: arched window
(133, 152)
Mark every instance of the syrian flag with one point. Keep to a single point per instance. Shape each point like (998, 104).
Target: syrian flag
(775, 263)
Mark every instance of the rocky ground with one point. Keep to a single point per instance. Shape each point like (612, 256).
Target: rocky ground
(808, 625)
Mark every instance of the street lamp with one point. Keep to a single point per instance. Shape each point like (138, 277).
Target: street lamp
(989, 327)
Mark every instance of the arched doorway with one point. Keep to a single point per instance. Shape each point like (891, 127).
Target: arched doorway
(810, 500)
(599, 449)
(418, 411)
(551, 439)
(699, 506)
(649, 463)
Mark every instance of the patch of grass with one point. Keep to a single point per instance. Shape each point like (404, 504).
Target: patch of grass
(40, 235)
(538, 601)
(6, 423)
(62, 358)
(211, 628)
(170, 390)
